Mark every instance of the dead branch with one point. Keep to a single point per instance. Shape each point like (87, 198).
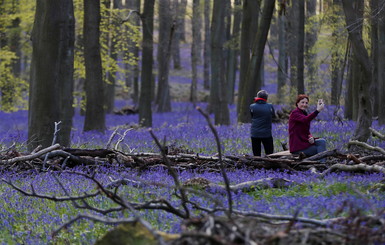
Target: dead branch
(32, 156)
(366, 146)
(376, 133)
(354, 168)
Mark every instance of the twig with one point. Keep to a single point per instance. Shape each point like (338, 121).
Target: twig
(173, 174)
(225, 178)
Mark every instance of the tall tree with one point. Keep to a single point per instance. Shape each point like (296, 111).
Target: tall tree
(95, 111)
(301, 47)
(166, 30)
(176, 38)
(374, 53)
(282, 53)
(381, 64)
(339, 52)
(310, 41)
(51, 86)
(232, 63)
(250, 87)
(109, 85)
(145, 112)
(206, 45)
(351, 11)
(250, 15)
(195, 54)
(218, 98)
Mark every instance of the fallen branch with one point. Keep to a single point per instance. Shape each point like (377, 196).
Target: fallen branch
(32, 156)
(366, 146)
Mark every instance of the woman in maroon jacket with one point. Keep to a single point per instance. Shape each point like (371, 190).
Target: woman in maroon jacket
(300, 138)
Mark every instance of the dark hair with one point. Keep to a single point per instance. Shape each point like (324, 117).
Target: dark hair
(262, 94)
(301, 97)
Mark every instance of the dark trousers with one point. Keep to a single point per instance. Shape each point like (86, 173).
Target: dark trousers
(267, 144)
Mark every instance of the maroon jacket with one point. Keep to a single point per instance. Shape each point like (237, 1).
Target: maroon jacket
(299, 129)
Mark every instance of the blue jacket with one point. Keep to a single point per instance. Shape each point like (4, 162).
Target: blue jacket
(262, 114)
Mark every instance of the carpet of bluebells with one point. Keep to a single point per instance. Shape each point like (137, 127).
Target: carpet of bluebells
(28, 220)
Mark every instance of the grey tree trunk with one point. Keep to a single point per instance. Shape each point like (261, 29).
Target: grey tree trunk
(218, 99)
(132, 71)
(233, 53)
(374, 7)
(195, 54)
(163, 100)
(291, 41)
(179, 18)
(311, 39)
(364, 121)
(95, 112)
(381, 66)
(145, 112)
(206, 46)
(301, 47)
(51, 84)
(250, 87)
(109, 85)
(338, 59)
(250, 17)
(282, 56)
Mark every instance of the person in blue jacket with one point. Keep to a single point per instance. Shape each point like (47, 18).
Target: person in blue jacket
(262, 114)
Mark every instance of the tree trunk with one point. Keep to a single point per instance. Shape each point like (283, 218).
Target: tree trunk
(179, 16)
(301, 46)
(338, 59)
(109, 85)
(218, 99)
(95, 112)
(381, 67)
(206, 46)
(196, 29)
(250, 87)
(51, 86)
(362, 131)
(291, 42)
(232, 63)
(166, 27)
(374, 7)
(145, 112)
(311, 39)
(250, 17)
(282, 56)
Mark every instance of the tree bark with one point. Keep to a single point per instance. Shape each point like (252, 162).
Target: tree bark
(145, 112)
(310, 41)
(301, 46)
(381, 66)
(250, 17)
(51, 86)
(206, 46)
(282, 56)
(339, 59)
(250, 87)
(95, 111)
(166, 30)
(233, 53)
(362, 132)
(196, 29)
(218, 98)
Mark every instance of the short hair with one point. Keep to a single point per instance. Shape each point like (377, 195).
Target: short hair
(262, 94)
(301, 97)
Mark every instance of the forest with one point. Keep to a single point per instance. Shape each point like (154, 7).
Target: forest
(128, 121)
